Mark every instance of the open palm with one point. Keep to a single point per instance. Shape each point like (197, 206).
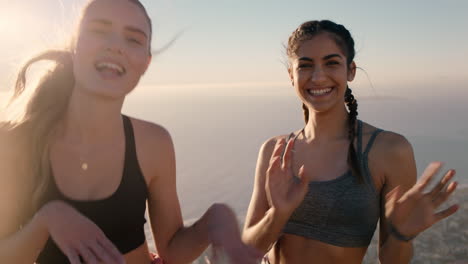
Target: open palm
(284, 190)
(415, 211)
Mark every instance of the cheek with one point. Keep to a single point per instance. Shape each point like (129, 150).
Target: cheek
(139, 61)
(85, 44)
(339, 74)
(300, 76)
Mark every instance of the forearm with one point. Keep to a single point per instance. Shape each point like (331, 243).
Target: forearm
(265, 232)
(395, 251)
(25, 245)
(188, 243)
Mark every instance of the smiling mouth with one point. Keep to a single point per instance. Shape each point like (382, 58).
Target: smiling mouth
(110, 67)
(319, 92)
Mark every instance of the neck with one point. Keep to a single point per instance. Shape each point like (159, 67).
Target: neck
(325, 126)
(90, 119)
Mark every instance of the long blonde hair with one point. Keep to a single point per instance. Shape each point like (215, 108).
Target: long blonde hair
(31, 115)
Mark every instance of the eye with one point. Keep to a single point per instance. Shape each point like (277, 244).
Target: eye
(332, 62)
(305, 65)
(135, 41)
(98, 31)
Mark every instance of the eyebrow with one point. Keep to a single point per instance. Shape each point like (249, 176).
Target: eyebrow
(101, 21)
(136, 30)
(324, 58)
(128, 28)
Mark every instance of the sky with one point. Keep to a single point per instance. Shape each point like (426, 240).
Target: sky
(403, 46)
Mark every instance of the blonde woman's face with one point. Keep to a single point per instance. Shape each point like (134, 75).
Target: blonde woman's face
(112, 48)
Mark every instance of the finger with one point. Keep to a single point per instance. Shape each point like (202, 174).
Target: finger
(111, 250)
(447, 177)
(428, 173)
(446, 213)
(442, 197)
(72, 256)
(278, 150)
(302, 176)
(87, 255)
(274, 165)
(301, 183)
(101, 253)
(391, 193)
(393, 196)
(287, 157)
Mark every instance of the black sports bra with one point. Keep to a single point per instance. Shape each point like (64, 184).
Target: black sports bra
(120, 216)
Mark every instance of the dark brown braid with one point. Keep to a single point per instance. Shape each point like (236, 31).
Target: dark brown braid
(345, 42)
(353, 161)
(306, 113)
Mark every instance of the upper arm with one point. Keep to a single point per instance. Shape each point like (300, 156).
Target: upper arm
(158, 164)
(399, 167)
(259, 203)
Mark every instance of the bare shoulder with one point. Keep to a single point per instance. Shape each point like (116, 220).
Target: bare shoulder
(388, 145)
(393, 147)
(264, 156)
(269, 145)
(392, 159)
(149, 135)
(154, 146)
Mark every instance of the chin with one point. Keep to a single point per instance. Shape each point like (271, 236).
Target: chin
(324, 107)
(108, 92)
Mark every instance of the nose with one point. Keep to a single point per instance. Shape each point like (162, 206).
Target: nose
(114, 44)
(317, 75)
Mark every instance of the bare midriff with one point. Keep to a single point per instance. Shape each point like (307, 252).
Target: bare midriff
(292, 249)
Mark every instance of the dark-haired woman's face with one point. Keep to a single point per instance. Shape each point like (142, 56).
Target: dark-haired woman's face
(112, 48)
(320, 73)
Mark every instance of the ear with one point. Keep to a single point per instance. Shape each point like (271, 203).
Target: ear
(351, 71)
(291, 76)
(150, 58)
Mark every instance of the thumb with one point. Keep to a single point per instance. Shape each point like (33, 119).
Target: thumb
(303, 180)
(398, 193)
(393, 196)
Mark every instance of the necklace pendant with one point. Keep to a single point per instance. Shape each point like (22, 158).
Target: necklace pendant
(84, 166)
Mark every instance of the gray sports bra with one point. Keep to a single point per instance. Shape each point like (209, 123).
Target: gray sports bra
(341, 212)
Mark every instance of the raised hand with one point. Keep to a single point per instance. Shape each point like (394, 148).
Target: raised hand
(284, 190)
(226, 239)
(77, 236)
(414, 211)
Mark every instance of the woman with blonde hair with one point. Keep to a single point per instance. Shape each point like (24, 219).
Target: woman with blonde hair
(76, 174)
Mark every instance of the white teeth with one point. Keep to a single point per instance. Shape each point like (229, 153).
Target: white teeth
(110, 65)
(319, 92)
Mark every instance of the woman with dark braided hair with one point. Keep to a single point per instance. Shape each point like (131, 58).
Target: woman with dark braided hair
(77, 175)
(319, 192)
